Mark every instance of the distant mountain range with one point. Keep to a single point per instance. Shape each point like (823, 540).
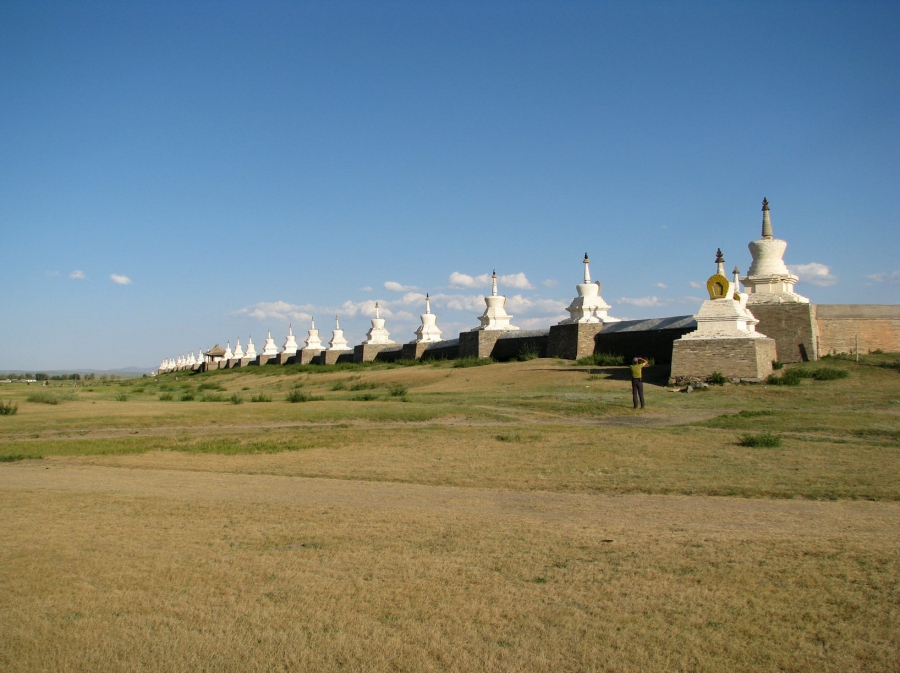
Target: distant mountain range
(124, 371)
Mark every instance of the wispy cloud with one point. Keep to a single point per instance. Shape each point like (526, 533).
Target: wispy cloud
(366, 288)
(52, 273)
(114, 277)
(550, 283)
(515, 280)
(814, 273)
(890, 278)
(694, 283)
(661, 286)
(79, 275)
(658, 301)
(394, 286)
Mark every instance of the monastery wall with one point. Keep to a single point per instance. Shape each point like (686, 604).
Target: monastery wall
(876, 325)
(792, 326)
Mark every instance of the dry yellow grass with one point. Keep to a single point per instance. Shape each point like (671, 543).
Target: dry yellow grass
(165, 570)
(515, 517)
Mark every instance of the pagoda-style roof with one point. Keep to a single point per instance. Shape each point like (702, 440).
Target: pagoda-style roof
(215, 352)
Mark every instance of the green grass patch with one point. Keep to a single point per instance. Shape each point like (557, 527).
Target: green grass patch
(13, 457)
(299, 396)
(166, 397)
(120, 397)
(397, 390)
(210, 385)
(236, 399)
(48, 397)
(829, 374)
(363, 385)
(760, 440)
(187, 396)
(462, 363)
(368, 397)
(212, 397)
(716, 379)
(8, 408)
(262, 397)
(601, 360)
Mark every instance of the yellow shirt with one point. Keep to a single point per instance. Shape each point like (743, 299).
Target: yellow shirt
(636, 371)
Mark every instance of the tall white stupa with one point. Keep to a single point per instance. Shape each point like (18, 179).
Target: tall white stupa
(338, 342)
(238, 350)
(290, 343)
(495, 317)
(428, 331)
(769, 281)
(269, 348)
(378, 335)
(228, 355)
(251, 349)
(313, 342)
(588, 306)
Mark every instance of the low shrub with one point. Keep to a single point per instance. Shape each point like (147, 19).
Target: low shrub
(602, 359)
(236, 399)
(13, 457)
(472, 362)
(363, 385)
(299, 396)
(791, 377)
(397, 390)
(121, 397)
(515, 437)
(212, 397)
(8, 408)
(262, 397)
(338, 385)
(187, 396)
(47, 397)
(166, 397)
(368, 397)
(528, 352)
(716, 379)
(755, 414)
(760, 440)
(777, 364)
(829, 374)
(211, 385)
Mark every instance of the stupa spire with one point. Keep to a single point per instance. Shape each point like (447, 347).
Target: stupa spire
(376, 311)
(767, 223)
(588, 306)
(495, 317)
(587, 269)
(427, 303)
(428, 331)
(494, 284)
(720, 262)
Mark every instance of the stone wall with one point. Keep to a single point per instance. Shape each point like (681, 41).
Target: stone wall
(876, 325)
(651, 338)
(696, 359)
(503, 346)
(572, 342)
(377, 352)
(792, 326)
(432, 350)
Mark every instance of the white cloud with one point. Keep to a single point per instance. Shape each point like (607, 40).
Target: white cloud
(550, 283)
(116, 278)
(813, 273)
(892, 277)
(518, 281)
(277, 310)
(519, 304)
(657, 301)
(694, 283)
(366, 289)
(661, 286)
(394, 286)
(79, 275)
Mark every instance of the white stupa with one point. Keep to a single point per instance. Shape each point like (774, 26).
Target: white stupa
(290, 343)
(378, 334)
(228, 354)
(724, 315)
(238, 351)
(191, 361)
(313, 342)
(588, 306)
(251, 349)
(428, 331)
(338, 342)
(768, 281)
(269, 348)
(495, 317)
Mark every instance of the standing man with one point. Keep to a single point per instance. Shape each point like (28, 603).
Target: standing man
(637, 381)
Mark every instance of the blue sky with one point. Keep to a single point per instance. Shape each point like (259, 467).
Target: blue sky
(175, 175)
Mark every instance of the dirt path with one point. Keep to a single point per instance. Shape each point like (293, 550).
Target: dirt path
(692, 515)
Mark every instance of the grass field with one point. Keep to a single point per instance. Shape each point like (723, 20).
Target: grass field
(510, 517)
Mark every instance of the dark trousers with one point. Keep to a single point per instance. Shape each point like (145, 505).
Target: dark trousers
(637, 390)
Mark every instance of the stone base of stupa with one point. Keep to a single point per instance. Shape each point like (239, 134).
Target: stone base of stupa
(370, 352)
(793, 326)
(307, 355)
(573, 341)
(264, 359)
(738, 358)
(283, 358)
(333, 357)
(479, 344)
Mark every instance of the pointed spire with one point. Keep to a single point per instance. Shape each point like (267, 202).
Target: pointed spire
(290, 329)
(494, 284)
(767, 223)
(427, 303)
(337, 324)
(312, 321)
(720, 262)
(587, 269)
(737, 279)
(376, 311)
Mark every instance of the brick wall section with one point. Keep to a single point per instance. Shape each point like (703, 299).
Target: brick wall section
(792, 326)
(307, 356)
(878, 327)
(333, 357)
(379, 352)
(734, 358)
(477, 344)
(656, 344)
(434, 350)
(511, 345)
(572, 342)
